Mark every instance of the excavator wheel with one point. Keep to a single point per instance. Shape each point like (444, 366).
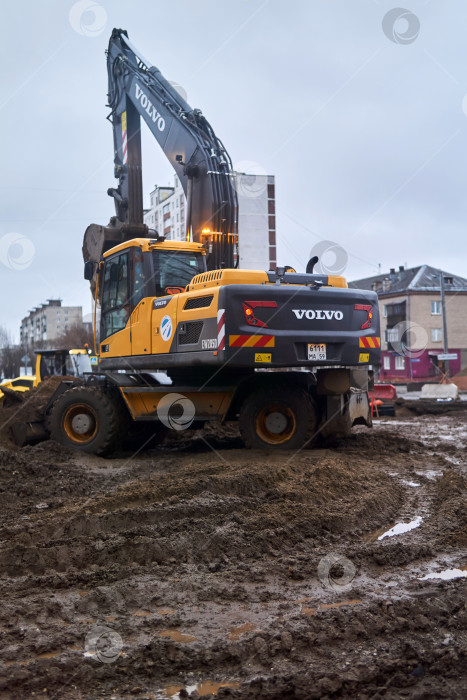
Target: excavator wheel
(87, 419)
(280, 418)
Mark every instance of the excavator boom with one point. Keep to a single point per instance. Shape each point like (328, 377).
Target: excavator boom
(138, 90)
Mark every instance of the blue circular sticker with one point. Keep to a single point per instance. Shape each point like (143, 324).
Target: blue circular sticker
(166, 328)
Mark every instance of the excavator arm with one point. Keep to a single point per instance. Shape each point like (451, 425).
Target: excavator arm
(138, 90)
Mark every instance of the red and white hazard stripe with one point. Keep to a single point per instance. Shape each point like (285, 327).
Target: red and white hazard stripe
(221, 329)
(125, 146)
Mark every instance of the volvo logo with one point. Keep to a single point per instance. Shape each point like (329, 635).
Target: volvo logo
(149, 108)
(319, 314)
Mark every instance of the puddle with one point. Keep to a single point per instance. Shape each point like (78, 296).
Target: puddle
(409, 483)
(450, 459)
(204, 688)
(431, 474)
(236, 632)
(308, 611)
(20, 663)
(373, 536)
(400, 528)
(177, 636)
(327, 606)
(356, 601)
(446, 575)
(49, 655)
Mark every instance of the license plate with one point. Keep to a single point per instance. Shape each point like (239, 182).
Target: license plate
(316, 351)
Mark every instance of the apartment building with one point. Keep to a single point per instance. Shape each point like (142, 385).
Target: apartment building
(411, 311)
(47, 322)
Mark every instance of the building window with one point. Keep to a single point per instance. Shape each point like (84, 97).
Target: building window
(436, 335)
(435, 308)
(387, 362)
(392, 335)
(385, 310)
(400, 362)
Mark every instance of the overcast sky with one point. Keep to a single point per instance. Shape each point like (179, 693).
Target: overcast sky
(362, 125)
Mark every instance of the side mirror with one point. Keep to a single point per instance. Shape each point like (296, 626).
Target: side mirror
(89, 270)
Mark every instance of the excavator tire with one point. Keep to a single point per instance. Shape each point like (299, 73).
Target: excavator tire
(280, 418)
(86, 419)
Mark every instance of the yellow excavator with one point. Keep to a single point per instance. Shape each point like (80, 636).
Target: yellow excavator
(186, 337)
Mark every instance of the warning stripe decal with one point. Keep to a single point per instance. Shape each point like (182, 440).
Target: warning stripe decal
(369, 342)
(251, 341)
(221, 329)
(124, 139)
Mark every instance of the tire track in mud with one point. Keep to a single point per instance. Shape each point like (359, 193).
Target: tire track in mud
(207, 570)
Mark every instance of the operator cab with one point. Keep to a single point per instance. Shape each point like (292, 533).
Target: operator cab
(144, 268)
(74, 363)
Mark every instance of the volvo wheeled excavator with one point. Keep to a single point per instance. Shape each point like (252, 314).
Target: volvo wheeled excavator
(185, 336)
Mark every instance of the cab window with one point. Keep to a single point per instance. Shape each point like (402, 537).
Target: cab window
(174, 270)
(138, 285)
(22, 382)
(115, 295)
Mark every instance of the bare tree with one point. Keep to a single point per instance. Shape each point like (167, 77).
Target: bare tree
(10, 355)
(76, 337)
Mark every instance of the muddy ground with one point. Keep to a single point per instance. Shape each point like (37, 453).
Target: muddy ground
(201, 567)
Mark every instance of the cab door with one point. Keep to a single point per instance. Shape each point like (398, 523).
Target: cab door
(116, 306)
(141, 301)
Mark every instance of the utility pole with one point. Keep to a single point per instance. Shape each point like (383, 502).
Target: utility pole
(443, 311)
